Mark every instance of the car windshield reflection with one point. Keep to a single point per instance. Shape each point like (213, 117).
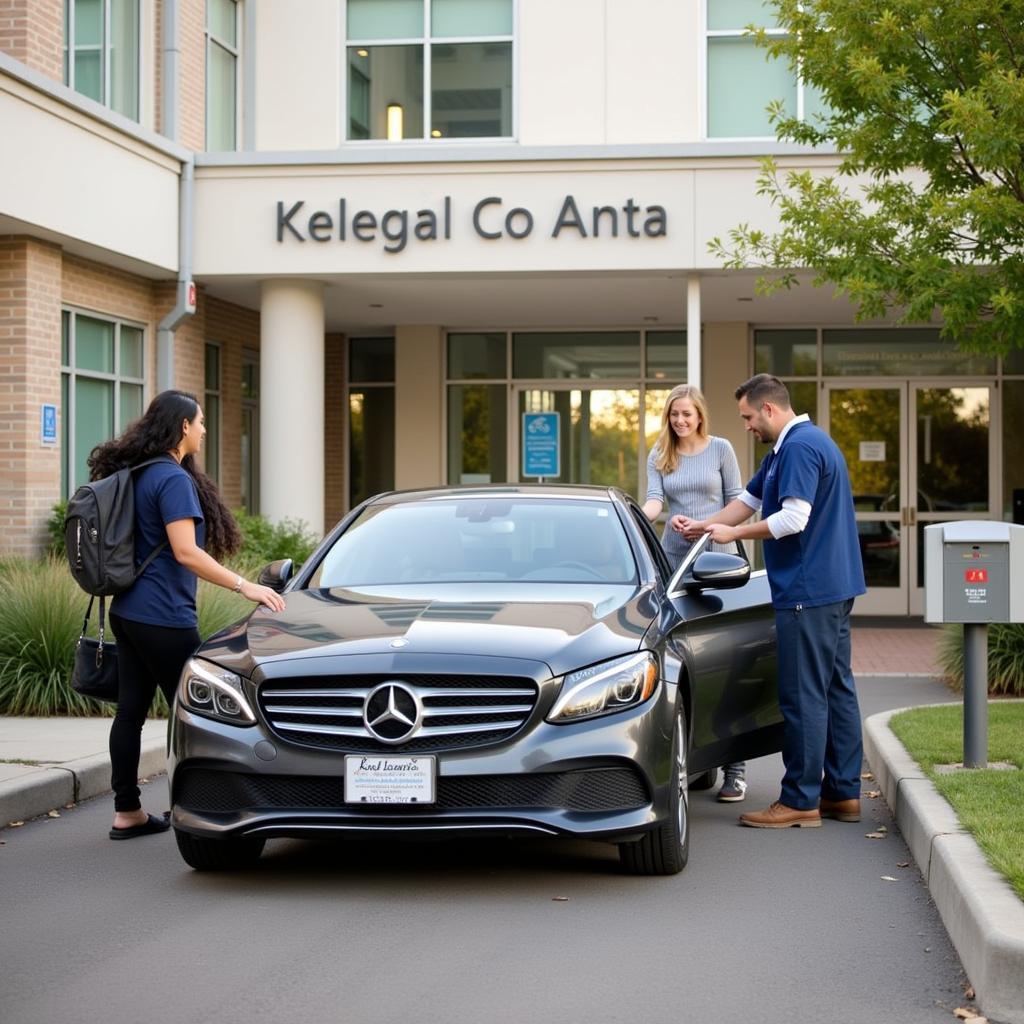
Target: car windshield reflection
(463, 540)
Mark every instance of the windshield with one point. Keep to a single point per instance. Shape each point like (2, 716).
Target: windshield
(481, 538)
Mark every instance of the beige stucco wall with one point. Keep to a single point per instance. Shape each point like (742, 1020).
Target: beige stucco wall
(81, 180)
(419, 430)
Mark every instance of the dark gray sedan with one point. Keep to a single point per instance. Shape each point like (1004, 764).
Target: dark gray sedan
(511, 661)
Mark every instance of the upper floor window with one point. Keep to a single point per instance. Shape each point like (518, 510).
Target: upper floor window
(742, 79)
(101, 52)
(437, 69)
(222, 37)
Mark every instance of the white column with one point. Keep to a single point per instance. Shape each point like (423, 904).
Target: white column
(693, 334)
(292, 402)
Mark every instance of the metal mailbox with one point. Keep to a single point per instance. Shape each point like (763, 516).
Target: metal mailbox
(974, 572)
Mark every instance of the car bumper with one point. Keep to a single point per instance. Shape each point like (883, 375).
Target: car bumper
(606, 778)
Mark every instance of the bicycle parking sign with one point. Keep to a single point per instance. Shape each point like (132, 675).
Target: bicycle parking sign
(541, 449)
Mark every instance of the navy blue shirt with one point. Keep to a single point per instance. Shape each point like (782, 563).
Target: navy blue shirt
(165, 594)
(821, 564)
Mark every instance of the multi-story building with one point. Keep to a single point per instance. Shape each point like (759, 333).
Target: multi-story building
(370, 235)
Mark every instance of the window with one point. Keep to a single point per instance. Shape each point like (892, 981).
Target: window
(371, 417)
(221, 74)
(101, 52)
(437, 69)
(211, 412)
(742, 79)
(101, 388)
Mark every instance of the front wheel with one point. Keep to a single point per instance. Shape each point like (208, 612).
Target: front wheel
(666, 849)
(218, 854)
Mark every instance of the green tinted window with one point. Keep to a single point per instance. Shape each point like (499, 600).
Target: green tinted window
(94, 344)
(131, 352)
(385, 19)
(738, 14)
(476, 356)
(453, 18)
(549, 356)
(477, 434)
(666, 356)
(786, 353)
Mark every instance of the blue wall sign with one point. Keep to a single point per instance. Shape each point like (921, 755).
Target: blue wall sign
(541, 450)
(48, 424)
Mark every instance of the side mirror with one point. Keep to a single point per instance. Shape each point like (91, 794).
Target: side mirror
(715, 570)
(276, 575)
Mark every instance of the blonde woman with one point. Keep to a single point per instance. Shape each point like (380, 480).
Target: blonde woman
(697, 475)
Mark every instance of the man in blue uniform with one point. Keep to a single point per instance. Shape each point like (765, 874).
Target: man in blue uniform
(812, 556)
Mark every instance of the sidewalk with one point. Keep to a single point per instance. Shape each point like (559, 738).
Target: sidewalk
(49, 762)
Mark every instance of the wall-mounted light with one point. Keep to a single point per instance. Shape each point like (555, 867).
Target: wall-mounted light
(396, 122)
(363, 53)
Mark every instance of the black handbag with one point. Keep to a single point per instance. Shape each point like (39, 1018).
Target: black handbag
(95, 671)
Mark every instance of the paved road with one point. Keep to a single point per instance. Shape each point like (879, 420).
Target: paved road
(762, 927)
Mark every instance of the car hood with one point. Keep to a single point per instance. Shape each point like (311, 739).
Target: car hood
(564, 626)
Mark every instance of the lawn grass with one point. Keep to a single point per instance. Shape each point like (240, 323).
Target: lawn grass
(989, 804)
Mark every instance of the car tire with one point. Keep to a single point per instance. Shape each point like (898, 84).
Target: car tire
(218, 854)
(666, 849)
(706, 780)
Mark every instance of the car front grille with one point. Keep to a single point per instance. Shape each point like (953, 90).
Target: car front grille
(458, 711)
(204, 790)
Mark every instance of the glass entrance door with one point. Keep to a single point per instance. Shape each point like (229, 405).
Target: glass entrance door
(599, 433)
(918, 453)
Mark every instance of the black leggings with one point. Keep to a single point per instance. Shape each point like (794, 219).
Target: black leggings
(147, 657)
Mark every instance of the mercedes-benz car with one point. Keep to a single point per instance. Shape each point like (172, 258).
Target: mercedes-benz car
(503, 660)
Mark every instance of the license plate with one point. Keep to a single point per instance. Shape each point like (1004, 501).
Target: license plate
(384, 779)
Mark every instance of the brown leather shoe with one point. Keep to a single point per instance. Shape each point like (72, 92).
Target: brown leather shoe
(841, 810)
(780, 816)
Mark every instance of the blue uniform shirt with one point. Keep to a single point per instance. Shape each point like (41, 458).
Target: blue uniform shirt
(821, 564)
(165, 594)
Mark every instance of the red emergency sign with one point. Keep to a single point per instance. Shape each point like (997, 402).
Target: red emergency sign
(976, 575)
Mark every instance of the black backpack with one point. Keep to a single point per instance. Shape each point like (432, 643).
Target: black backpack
(99, 533)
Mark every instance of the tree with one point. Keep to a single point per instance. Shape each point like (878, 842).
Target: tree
(912, 86)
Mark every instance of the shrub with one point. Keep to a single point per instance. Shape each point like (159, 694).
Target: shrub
(263, 541)
(1005, 657)
(41, 612)
(55, 530)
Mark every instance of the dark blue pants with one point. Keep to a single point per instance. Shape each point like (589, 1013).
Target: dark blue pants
(822, 748)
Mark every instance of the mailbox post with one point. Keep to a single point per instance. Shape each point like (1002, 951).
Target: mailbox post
(974, 574)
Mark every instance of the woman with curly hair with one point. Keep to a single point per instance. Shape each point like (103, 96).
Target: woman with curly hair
(178, 511)
(697, 475)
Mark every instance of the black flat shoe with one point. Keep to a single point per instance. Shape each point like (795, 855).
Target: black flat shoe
(151, 825)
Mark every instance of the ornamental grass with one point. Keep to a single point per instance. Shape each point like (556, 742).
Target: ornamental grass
(1005, 657)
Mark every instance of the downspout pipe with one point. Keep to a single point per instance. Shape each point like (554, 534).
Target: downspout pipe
(169, 102)
(185, 300)
(184, 305)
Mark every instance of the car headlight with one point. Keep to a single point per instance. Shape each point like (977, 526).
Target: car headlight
(606, 688)
(210, 690)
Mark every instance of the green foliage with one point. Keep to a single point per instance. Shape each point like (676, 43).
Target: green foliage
(55, 530)
(41, 612)
(989, 803)
(1005, 657)
(911, 86)
(264, 541)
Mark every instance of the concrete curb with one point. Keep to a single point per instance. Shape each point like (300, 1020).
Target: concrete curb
(981, 912)
(52, 785)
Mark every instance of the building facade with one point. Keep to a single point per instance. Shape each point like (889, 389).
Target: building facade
(370, 235)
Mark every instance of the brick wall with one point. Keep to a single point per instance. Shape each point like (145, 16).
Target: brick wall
(234, 328)
(335, 417)
(29, 376)
(192, 74)
(32, 31)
